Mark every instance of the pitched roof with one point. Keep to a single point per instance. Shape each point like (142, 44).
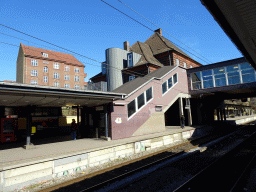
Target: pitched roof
(146, 54)
(97, 76)
(130, 86)
(52, 55)
(160, 44)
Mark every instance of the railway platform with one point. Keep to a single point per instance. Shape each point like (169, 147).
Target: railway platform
(20, 167)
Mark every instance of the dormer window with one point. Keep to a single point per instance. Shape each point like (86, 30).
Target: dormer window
(129, 59)
(45, 54)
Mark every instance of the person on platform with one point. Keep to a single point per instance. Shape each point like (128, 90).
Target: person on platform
(73, 129)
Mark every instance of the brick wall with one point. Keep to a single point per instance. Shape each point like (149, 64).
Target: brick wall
(50, 73)
(164, 58)
(182, 59)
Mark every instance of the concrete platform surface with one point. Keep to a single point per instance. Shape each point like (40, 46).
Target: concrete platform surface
(20, 157)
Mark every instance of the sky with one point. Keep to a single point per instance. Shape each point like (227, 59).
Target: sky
(89, 27)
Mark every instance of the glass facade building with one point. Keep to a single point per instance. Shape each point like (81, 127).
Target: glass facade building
(223, 76)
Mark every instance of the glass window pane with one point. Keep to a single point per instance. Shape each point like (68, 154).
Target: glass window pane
(196, 85)
(246, 71)
(164, 87)
(206, 73)
(219, 71)
(149, 94)
(245, 66)
(175, 78)
(220, 82)
(248, 78)
(208, 83)
(233, 80)
(131, 108)
(169, 83)
(232, 68)
(196, 77)
(207, 78)
(140, 100)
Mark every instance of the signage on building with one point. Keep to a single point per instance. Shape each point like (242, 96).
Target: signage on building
(118, 120)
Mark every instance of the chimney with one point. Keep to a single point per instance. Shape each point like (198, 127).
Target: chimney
(126, 45)
(159, 31)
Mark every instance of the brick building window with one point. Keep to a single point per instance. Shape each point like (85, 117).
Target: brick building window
(45, 79)
(46, 69)
(185, 65)
(45, 54)
(56, 84)
(76, 78)
(56, 65)
(33, 82)
(67, 86)
(66, 68)
(76, 69)
(56, 75)
(177, 62)
(66, 77)
(33, 72)
(34, 62)
(76, 86)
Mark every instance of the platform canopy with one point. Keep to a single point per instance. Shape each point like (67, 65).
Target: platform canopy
(238, 20)
(14, 94)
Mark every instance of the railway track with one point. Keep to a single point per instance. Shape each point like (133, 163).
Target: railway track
(98, 180)
(227, 172)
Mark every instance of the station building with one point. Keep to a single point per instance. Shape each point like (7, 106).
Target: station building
(150, 86)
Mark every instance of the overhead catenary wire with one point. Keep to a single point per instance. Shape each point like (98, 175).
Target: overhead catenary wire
(118, 69)
(127, 71)
(152, 30)
(164, 30)
(203, 91)
(130, 71)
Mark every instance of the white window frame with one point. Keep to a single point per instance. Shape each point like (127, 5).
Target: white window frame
(45, 54)
(33, 82)
(67, 85)
(34, 62)
(128, 63)
(168, 89)
(191, 66)
(66, 68)
(67, 77)
(56, 84)
(131, 77)
(76, 79)
(56, 66)
(136, 104)
(56, 75)
(34, 73)
(45, 71)
(77, 86)
(45, 79)
(185, 65)
(76, 69)
(177, 62)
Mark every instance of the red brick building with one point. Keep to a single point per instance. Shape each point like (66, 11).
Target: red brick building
(155, 52)
(50, 68)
